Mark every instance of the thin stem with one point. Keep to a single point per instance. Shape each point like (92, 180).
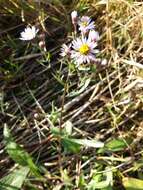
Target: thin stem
(61, 120)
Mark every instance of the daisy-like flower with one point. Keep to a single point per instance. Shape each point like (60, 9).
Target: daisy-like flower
(29, 33)
(83, 51)
(86, 24)
(93, 35)
(65, 50)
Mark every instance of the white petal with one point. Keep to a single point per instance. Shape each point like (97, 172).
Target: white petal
(29, 33)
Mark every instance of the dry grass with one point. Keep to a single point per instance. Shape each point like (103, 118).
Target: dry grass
(32, 89)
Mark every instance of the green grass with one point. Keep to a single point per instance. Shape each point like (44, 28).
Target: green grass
(57, 127)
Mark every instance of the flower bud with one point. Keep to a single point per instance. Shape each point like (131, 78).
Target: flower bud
(65, 50)
(74, 16)
(93, 35)
(104, 62)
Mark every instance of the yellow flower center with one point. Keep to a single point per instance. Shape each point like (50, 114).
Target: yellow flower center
(84, 24)
(84, 49)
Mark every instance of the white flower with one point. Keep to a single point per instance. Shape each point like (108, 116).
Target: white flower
(83, 51)
(93, 35)
(104, 62)
(29, 33)
(86, 24)
(74, 17)
(65, 50)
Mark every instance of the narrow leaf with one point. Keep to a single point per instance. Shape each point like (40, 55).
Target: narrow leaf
(70, 146)
(133, 184)
(18, 154)
(116, 145)
(15, 179)
(89, 143)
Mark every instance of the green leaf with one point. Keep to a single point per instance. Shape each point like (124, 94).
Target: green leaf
(74, 145)
(68, 127)
(80, 181)
(116, 145)
(138, 164)
(82, 89)
(132, 184)
(97, 185)
(59, 79)
(65, 177)
(18, 154)
(70, 146)
(65, 131)
(104, 185)
(107, 188)
(89, 143)
(15, 179)
(57, 132)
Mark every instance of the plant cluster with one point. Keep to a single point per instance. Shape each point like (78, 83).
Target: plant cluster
(65, 126)
(83, 47)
